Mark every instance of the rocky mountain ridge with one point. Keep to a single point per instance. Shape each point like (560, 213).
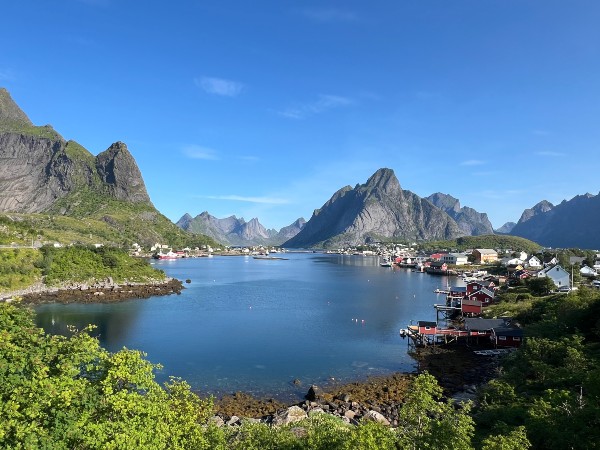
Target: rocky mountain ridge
(571, 223)
(471, 222)
(41, 172)
(36, 170)
(377, 210)
(238, 232)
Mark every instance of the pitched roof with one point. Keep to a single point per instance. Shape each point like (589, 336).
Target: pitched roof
(486, 251)
(477, 323)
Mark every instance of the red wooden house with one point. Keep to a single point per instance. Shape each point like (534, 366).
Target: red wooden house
(471, 307)
(473, 286)
(484, 295)
(427, 327)
(507, 336)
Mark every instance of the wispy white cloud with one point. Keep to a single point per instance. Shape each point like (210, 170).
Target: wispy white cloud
(330, 15)
(546, 153)
(321, 105)
(242, 198)
(472, 162)
(7, 75)
(199, 152)
(219, 86)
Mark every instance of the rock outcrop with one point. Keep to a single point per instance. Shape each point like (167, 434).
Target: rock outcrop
(506, 228)
(470, 222)
(377, 210)
(38, 167)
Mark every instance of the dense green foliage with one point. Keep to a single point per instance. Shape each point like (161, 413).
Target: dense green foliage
(496, 241)
(19, 268)
(83, 264)
(552, 384)
(98, 219)
(67, 392)
(64, 393)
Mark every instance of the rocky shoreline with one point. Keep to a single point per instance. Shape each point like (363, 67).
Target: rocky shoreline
(457, 368)
(101, 292)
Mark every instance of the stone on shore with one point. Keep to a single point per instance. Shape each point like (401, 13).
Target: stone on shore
(314, 393)
(290, 415)
(376, 417)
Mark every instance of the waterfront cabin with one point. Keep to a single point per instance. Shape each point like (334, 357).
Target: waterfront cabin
(483, 295)
(474, 286)
(471, 308)
(501, 332)
(427, 328)
(507, 336)
(438, 268)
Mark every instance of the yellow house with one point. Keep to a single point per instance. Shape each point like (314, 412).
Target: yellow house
(485, 255)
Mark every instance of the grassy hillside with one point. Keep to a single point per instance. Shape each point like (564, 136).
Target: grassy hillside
(20, 268)
(93, 218)
(486, 241)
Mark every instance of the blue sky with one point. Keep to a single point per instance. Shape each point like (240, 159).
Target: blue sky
(264, 109)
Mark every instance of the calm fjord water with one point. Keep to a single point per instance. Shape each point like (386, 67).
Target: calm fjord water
(255, 325)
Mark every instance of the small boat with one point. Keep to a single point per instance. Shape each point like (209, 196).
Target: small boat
(441, 291)
(271, 258)
(168, 255)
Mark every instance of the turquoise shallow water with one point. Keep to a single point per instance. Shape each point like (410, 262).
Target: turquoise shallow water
(256, 325)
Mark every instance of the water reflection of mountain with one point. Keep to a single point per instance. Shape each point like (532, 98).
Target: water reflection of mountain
(112, 323)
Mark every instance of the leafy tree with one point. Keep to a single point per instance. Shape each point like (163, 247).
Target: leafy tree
(540, 285)
(426, 422)
(64, 393)
(514, 440)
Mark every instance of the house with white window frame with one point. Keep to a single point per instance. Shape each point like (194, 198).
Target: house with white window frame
(557, 274)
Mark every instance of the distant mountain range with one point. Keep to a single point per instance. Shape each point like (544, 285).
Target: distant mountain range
(572, 223)
(506, 228)
(45, 179)
(238, 232)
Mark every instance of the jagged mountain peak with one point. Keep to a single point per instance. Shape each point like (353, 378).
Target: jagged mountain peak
(383, 179)
(118, 170)
(41, 171)
(10, 111)
(470, 221)
(233, 231)
(445, 201)
(540, 208)
(376, 210)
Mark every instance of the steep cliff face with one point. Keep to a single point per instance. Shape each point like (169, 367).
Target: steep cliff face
(238, 232)
(378, 209)
(38, 167)
(120, 174)
(10, 113)
(539, 209)
(469, 220)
